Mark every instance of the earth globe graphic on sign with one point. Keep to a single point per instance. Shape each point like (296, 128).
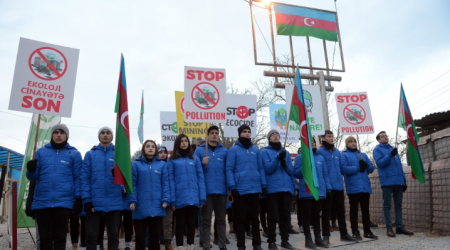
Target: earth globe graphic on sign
(281, 118)
(308, 100)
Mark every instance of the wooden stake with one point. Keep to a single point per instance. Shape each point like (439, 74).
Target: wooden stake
(360, 155)
(289, 115)
(37, 135)
(206, 139)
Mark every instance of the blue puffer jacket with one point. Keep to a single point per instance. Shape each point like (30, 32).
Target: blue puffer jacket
(97, 181)
(333, 162)
(390, 168)
(214, 172)
(187, 184)
(58, 177)
(245, 171)
(278, 179)
(355, 180)
(151, 188)
(322, 177)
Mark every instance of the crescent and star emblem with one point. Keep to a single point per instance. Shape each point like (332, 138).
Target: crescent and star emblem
(306, 22)
(412, 132)
(122, 118)
(301, 128)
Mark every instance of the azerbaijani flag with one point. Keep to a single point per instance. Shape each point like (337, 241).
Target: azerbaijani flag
(406, 122)
(122, 157)
(141, 121)
(299, 116)
(300, 21)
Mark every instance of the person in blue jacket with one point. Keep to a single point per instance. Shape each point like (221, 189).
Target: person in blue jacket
(356, 168)
(310, 207)
(393, 182)
(100, 195)
(279, 173)
(247, 180)
(56, 170)
(151, 195)
(187, 189)
(216, 187)
(335, 196)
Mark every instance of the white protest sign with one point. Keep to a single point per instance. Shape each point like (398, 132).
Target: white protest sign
(205, 94)
(354, 113)
(169, 129)
(241, 109)
(279, 120)
(44, 78)
(313, 103)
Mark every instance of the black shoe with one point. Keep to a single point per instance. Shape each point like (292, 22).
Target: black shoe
(273, 246)
(249, 234)
(287, 245)
(402, 230)
(357, 235)
(127, 248)
(257, 248)
(216, 241)
(309, 243)
(241, 248)
(265, 235)
(227, 241)
(319, 242)
(348, 238)
(334, 225)
(224, 248)
(373, 224)
(326, 239)
(370, 235)
(390, 232)
(292, 231)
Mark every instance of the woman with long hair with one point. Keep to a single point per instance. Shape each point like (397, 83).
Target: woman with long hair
(151, 194)
(187, 189)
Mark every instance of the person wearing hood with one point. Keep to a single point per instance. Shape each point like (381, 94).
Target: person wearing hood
(216, 187)
(247, 180)
(335, 196)
(356, 168)
(310, 207)
(100, 195)
(151, 195)
(187, 187)
(56, 171)
(279, 174)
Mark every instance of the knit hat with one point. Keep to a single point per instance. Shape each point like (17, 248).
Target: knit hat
(270, 133)
(62, 127)
(348, 139)
(107, 128)
(242, 127)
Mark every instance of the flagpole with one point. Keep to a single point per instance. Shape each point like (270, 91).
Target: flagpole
(37, 135)
(360, 155)
(399, 102)
(289, 115)
(115, 137)
(206, 139)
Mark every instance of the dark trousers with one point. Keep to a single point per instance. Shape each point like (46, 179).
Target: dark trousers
(77, 230)
(390, 192)
(127, 224)
(112, 221)
(311, 215)
(263, 213)
(101, 231)
(243, 204)
(299, 212)
(337, 198)
(185, 218)
(52, 228)
(361, 199)
(278, 210)
(333, 213)
(153, 224)
(230, 215)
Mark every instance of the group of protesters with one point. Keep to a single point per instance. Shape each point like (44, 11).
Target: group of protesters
(170, 192)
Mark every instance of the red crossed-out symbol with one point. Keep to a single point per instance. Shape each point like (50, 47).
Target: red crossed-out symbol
(354, 114)
(197, 101)
(182, 104)
(44, 64)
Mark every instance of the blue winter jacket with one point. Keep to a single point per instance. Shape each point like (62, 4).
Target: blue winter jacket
(214, 172)
(58, 177)
(245, 171)
(322, 177)
(97, 181)
(333, 162)
(151, 188)
(390, 168)
(278, 179)
(355, 180)
(187, 184)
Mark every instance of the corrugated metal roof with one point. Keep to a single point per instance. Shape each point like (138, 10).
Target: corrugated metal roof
(15, 158)
(433, 119)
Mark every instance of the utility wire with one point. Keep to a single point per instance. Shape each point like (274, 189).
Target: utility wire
(12, 137)
(263, 36)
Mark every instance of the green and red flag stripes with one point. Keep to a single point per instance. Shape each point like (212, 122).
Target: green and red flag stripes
(299, 116)
(300, 21)
(141, 121)
(122, 156)
(406, 122)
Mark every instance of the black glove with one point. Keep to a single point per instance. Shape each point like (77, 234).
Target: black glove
(362, 165)
(88, 207)
(264, 192)
(283, 163)
(282, 155)
(235, 193)
(394, 151)
(77, 206)
(28, 211)
(112, 171)
(32, 165)
(405, 187)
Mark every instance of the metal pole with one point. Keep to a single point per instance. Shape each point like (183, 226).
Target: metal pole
(206, 139)
(292, 54)
(273, 42)
(326, 59)
(340, 44)
(290, 106)
(310, 60)
(399, 102)
(253, 31)
(323, 93)
(36, 137)
(359, 147)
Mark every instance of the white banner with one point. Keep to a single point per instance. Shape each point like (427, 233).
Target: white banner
(354, 113)
(241, 109)
(169, 129)
(44, 78)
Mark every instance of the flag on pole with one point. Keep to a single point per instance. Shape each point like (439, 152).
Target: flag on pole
(299, 116)
(122, 156)
(406, 122)
(141, 121)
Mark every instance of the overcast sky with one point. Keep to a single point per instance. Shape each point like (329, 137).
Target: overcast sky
(384, 43)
